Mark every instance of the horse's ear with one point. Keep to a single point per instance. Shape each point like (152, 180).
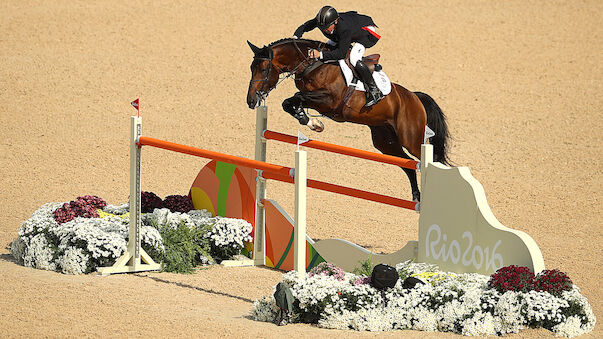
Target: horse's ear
(254, 48)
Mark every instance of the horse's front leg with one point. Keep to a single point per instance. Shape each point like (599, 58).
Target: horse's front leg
(295, 107)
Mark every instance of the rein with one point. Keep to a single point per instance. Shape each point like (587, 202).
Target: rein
(262, 93)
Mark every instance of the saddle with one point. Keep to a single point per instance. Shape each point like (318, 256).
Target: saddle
(371, 61)
(352, 79)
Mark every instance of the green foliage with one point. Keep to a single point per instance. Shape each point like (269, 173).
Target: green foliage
(365, 268)
(311, 313)
(576, 309)
(179, 255)
(224, 252)
(184, 247)
(154, 253)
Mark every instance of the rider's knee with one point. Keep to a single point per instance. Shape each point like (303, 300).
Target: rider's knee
(356, 53)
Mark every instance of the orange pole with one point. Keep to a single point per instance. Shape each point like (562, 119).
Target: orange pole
(352, 192)
(231, 159)
(275, 172)
(325, 146)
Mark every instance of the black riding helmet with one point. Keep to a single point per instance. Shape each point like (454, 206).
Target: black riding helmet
(326, 17)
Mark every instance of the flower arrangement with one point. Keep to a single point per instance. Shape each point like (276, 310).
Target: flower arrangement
(90, 234)
(149, 201)
(325, 268)
(512, 278)
(552, 281)
(84, 207)
(227, 236)
(461, 303)
(432, 277)
(77, 246)
(178, 203)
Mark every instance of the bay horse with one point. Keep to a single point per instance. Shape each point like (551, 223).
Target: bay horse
(397, 122)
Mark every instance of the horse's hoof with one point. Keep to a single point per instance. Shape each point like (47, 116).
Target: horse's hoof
(316, 125)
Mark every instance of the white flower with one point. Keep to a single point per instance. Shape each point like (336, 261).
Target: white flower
(229, 232)
(508, 309)
(163, 218)
(43, 243)
(151, 236)
(424, 319)
(39, 254)
(541, 306)
(117, 210)
(461, 303)
(74, 261)
(480, 324)
(102, 237)
(265, 309)
(42, 219)
(573, 325)
(17, 249)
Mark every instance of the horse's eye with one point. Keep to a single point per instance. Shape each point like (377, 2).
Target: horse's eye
(265, 71)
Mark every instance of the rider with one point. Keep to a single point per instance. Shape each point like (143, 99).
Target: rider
(343, 29)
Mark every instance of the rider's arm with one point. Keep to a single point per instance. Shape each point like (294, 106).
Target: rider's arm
(306, 27)
(345, 41)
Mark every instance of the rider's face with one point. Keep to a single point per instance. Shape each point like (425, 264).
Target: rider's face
(330, 29)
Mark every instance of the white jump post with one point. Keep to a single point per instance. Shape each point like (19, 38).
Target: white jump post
(135, 259)
(259, 240)
(426, 159)
(299, 231)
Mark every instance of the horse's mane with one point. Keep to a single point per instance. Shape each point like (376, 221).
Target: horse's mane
(289, 40)
(266, 51)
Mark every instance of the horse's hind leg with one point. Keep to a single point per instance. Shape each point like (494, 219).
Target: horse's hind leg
(386, 141)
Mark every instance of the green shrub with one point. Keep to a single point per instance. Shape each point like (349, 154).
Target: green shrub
(365, 268)
(184, 248)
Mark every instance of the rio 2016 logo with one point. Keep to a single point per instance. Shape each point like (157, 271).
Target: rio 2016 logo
(472, 255)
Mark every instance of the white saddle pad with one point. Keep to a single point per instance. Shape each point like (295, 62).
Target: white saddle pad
(380, 77)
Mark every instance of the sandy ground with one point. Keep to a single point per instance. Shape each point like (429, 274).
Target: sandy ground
(520, 82)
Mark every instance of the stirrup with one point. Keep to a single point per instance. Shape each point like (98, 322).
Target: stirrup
(373, 98)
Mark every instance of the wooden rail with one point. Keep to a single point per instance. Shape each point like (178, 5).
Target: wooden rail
(325, 146)
(231, 159)
(352, 192)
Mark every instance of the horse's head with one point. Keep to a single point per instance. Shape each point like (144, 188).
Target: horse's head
(264, 75)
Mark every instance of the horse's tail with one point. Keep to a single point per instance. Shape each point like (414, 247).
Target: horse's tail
(436, 120)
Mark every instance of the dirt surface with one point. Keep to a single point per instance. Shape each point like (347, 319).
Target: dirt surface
(520, 82)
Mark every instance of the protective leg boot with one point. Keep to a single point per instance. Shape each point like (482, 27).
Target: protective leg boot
(373, 94)
(294, 107)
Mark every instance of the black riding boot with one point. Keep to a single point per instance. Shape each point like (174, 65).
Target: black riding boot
(373, 94)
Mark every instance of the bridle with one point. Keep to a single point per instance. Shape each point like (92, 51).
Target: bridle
(262, 92)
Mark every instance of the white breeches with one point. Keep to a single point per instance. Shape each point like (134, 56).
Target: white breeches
(356, 53)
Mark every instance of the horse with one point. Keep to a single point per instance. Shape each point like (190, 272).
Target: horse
(397, 122)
